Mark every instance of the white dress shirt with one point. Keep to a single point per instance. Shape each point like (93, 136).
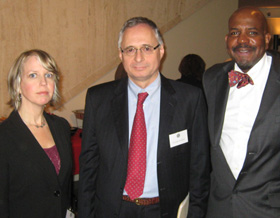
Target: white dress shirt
(242, 108)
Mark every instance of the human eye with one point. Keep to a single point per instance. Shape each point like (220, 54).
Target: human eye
(129, 50)
(32, 75)
(49, 75)
(253, 33)
(234, 33)
(148, 48)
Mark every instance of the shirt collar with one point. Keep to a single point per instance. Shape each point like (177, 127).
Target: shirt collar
(151, 89)
(260, 70)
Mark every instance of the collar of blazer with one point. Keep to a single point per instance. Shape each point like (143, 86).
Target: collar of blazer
(219, 87)
(28, 145)
(120, 110)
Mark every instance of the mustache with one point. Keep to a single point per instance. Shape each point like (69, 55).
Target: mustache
(243, 46)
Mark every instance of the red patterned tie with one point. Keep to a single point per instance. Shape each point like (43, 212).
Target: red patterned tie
(136, 169)
(241, 79)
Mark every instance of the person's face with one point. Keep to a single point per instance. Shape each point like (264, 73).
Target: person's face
(37, 84)
(247, 39)
(141, 68)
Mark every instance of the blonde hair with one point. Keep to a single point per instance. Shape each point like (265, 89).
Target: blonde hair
(15, 74)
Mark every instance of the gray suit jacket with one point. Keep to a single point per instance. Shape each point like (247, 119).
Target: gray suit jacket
(103, 160)
(256, 192)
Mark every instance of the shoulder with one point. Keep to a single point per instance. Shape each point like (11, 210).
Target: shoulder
(8, 132)
(219, 67)
(216, 70)
(57, 120)
(4, 126)
(179, 89)
(177, 85)
(275, 56)
(103, 94)
(106, 87)
(7, 124)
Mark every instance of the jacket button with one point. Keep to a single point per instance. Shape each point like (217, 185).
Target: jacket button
(56, 193)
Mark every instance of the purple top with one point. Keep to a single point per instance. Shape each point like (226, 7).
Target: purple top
(54, 157)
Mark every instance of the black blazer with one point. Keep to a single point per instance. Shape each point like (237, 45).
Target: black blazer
(256, 192)
(103, 160)
(29, 185)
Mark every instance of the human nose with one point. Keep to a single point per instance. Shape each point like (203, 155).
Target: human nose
(139, 55)
(242, 38)
(43, 80)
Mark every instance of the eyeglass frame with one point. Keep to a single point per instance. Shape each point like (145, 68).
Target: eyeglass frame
(136, 49)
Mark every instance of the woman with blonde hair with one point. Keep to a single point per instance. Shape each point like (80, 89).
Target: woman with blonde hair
(35, 147)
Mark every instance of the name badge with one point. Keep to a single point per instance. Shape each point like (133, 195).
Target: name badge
(178, 138)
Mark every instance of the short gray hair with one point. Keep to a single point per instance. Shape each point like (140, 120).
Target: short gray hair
(140, 20)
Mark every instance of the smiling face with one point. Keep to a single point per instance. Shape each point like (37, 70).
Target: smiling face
(248, 38)
(141, 68)
(37, 84)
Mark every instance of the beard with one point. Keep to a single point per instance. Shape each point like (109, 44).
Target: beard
(244, 63)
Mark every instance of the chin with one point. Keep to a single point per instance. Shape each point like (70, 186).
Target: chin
(245, 66)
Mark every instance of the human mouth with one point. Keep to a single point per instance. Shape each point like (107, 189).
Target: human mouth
(243, 49)
(42, 93)
(139, 67)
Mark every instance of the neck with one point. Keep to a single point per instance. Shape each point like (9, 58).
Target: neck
(32, 118)
(144, 82)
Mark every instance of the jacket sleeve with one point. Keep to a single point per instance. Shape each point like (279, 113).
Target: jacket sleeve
(88, 163)
(4, 178)
(200, 163)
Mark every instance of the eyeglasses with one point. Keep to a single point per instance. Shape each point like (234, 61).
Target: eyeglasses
(145, 49)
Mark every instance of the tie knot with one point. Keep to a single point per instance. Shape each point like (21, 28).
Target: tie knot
(141, 97)
(239, 79)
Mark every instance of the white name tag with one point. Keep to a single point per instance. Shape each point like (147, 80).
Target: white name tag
(178, 138)
(70, 214)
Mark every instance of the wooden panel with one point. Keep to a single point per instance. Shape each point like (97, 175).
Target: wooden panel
(80, 34)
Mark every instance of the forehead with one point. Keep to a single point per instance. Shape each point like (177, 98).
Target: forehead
(246, 19)
(31, 62)
(139, 35)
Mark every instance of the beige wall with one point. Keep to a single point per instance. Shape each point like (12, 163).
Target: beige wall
(80, 35)
(202, 33)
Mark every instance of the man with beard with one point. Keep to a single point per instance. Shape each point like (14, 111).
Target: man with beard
(244, 122)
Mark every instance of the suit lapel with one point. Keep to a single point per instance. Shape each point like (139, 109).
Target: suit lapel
(271, 92)
(61, 143)
(31, 148)
(120, 115)
(167, 108)
(269, 99)
(221, 93)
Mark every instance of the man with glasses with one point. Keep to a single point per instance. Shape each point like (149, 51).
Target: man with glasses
(145, 141)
